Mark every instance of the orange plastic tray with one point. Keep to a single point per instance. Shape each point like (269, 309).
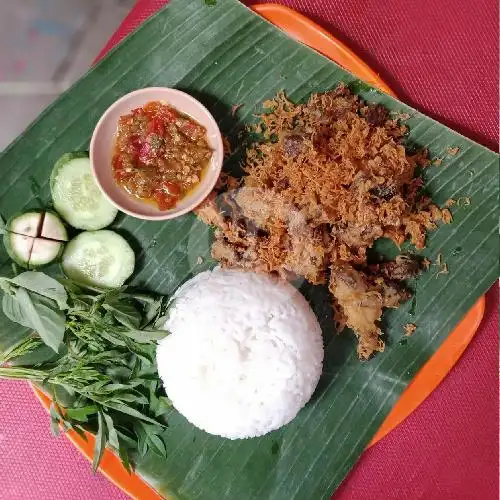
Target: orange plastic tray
(431, 374)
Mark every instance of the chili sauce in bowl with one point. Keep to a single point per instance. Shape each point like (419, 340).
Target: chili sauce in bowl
(156, 153)
(160, 154)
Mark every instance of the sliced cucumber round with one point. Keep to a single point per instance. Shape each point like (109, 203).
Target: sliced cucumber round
(76, 196)
(98, 258)
(28, 223)
(19, 247)
(53, 228)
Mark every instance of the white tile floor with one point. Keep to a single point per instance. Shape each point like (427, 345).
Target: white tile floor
(46, 45)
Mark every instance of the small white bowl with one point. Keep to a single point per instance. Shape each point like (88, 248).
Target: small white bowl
(103, 140)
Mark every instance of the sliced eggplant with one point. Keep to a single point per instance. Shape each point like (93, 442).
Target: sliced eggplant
(53, 228)
(19, 247)
(44, 251)
(35, 238)
(28, 223)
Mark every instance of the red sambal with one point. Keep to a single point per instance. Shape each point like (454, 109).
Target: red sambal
(160, 154)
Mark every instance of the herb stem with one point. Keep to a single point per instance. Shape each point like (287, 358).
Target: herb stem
(13, 372)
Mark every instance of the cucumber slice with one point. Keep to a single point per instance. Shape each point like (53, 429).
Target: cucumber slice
(27, 224)
(98, 258)
(76, 196)
(44, 251)
(53, 228)
(18, 247)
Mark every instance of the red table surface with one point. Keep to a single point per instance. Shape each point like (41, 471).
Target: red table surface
(441, 57)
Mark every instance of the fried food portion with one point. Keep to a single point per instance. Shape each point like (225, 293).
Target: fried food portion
(359, 306)
(328, 179)
(360, 300)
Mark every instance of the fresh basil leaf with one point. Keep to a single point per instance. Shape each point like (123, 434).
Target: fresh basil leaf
(142, 440)
(65, 397)
(153, 399)
(146, 336)
(79, 304)
(100, 441)
(112, 434)
(142, 298)
(13, 310)
(123, 454)
(42, 354)
(23, 348)
(157, 445)
(124, 312)
(132, 412)
(159, 322)
(42, 314)
(145, 352)
(81, 414)
(43, 285)
(151, 311)
(128, 437)
(135, 397)
(70, 286)
(35, 311)
(96, 387)
(164, 406)
(109, 318)
(113, 339)
(119, 373)
(120, 387)
(6, 286)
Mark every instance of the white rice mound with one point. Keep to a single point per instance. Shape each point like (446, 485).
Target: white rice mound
(244, 355)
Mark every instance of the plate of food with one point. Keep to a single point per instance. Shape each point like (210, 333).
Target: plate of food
(244, 334)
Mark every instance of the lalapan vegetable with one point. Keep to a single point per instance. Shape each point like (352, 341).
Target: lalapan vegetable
(98, 258)
(34, 238)
(104, 372)
(76, 196)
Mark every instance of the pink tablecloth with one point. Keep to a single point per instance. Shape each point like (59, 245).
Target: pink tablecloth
(440, 56)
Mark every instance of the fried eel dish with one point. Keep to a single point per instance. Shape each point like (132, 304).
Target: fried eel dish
(328, 179)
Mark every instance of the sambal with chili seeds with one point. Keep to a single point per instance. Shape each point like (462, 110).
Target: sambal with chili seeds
(160, 154)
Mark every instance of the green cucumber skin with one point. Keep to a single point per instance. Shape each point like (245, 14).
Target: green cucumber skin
(79, 240)
(65, 211)
(65, 158)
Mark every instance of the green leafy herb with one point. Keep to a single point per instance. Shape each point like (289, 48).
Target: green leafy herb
(21, 349)
(81, 414)
(100, 441)
(43, 285)
(124, 312)
(105, 375)
(37, 312)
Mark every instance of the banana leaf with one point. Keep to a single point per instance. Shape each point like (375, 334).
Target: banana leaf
(224, 55)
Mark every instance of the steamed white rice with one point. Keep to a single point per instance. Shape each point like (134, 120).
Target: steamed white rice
(244, 355)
